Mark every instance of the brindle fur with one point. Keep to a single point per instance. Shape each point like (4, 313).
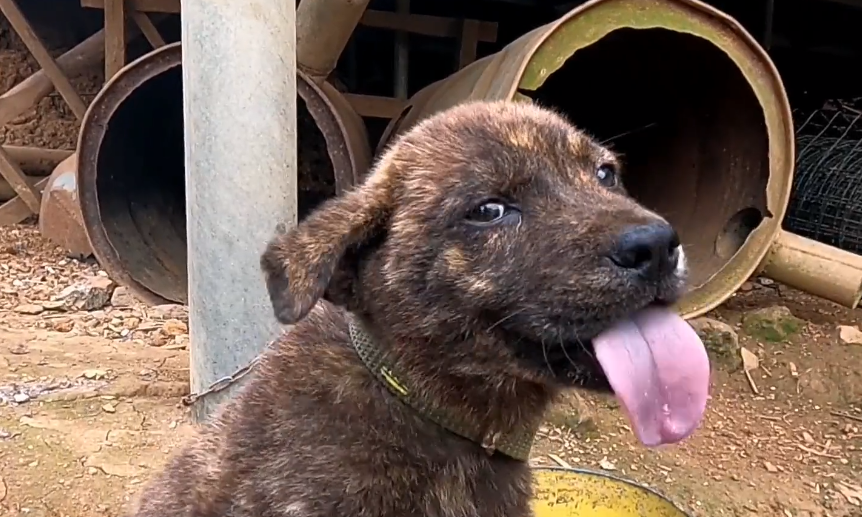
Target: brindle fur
(492, 321)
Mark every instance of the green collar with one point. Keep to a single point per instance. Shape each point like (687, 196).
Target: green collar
(516, 445)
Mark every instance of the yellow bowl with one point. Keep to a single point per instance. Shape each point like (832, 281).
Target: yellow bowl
(560, 492)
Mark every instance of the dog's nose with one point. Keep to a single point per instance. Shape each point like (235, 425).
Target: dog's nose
(651, 249)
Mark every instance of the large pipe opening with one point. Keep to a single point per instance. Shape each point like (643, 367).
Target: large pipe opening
(132, 186)
(688, 126)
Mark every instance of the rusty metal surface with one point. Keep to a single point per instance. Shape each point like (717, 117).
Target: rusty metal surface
(131, 181)
(342, 128)
(719, 163)
(323, 28)
(60, 213)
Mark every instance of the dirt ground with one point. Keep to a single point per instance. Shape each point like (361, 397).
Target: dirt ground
(91, 381)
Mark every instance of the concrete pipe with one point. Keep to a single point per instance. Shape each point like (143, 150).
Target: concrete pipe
(131, 178)
(700, 116)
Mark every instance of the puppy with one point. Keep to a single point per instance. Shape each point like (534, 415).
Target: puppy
(490, 260)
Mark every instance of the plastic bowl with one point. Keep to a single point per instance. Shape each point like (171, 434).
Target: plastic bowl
(561, 492)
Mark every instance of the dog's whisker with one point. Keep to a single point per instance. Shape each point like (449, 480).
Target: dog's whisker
(504, 318)
(627, 133)
(547, 361)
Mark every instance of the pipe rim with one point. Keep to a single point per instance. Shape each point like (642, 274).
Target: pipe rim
(349, 156)
(758, 69)
(93, 128)
(318, 102)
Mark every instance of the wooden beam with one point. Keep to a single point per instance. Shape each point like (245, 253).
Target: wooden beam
(469, 43)
(18, 181)
(148, 29)
(43, 57)
(426, 25)
(115, 37)
(15, 210)
(375, 106)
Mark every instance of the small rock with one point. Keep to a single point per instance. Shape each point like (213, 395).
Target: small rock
(29, 308)
(169, 311)
(64, 325)
(109, 408)
(720, 340)
(55, 305)
(175, 328)
(850, 335)
(122, 297)
(772, 324)
(19, 349)
(747, 286)
(159, 338)
(20, 398)
(765, 281)
(93, 374)
(770, 467)
(90, 295)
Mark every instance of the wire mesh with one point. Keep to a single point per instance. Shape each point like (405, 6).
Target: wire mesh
(826, 202)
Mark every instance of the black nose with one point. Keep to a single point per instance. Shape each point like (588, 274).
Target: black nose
(651, 249)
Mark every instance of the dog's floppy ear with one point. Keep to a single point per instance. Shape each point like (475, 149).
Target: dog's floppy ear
(299, 264)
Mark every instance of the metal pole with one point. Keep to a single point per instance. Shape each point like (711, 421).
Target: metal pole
(239, 95)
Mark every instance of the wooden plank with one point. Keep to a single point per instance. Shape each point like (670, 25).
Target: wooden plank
(43, 57)
(375, 106)
(115, 37)
(18, 181)
(148, 29)
(424, 24)
(469, 43)
(15, 210)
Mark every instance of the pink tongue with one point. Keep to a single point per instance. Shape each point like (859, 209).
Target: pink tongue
(658, 368)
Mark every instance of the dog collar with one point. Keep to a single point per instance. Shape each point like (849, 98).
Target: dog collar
(516, 445)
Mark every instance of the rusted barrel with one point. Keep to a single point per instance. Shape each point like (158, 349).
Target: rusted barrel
(700, 116)
(131, 178)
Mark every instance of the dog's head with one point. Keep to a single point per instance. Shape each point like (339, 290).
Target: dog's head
(500, 240)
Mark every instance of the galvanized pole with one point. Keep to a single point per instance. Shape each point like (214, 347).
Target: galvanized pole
(239, 94)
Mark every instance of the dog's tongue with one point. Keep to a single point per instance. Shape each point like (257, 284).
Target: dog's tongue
(658, 368)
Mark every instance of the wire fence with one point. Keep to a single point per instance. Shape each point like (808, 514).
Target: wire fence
(826, 202)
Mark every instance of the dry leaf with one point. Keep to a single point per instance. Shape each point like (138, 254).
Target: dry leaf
(749, 360)
(850, 335)
(605, 464)
(793, 371)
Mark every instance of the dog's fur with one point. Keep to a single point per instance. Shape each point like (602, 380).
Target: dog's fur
(491, 320)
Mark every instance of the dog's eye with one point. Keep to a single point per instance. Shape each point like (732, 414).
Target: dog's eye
(490, 212)
(607, 175)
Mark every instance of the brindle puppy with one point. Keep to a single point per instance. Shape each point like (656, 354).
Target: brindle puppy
(491, 259)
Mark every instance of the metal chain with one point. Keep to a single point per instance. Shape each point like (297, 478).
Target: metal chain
(227, 380)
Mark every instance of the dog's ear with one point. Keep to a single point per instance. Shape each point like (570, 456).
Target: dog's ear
(299, 264)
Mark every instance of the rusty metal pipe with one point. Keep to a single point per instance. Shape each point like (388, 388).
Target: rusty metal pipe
(131, 181)
(323, 28)
(690, 99)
